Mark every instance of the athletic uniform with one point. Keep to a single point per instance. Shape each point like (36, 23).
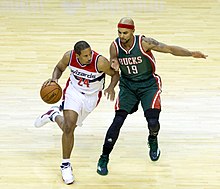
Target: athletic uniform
(83, 88)
(138, 81)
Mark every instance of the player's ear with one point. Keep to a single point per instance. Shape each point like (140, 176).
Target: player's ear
(77, 56)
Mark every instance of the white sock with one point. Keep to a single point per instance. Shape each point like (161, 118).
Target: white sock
(65, 160)
(54, 115)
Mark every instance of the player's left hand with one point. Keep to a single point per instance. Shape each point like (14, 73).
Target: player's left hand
(198, 54)
(110, 93)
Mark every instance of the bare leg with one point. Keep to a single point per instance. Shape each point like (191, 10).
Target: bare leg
(59, 120)
(68, 127)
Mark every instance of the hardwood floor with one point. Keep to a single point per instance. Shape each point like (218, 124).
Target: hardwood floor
(34, 36)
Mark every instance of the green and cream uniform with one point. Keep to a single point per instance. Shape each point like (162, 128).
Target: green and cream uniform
(138, 81)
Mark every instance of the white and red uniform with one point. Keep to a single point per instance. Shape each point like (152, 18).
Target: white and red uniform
(83, 88)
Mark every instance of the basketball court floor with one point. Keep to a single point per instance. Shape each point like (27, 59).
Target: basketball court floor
(34, 36)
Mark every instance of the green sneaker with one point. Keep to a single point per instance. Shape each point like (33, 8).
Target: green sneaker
(102, 165)
(154, 150)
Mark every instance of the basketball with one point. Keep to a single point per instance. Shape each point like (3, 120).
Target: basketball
(51, 93)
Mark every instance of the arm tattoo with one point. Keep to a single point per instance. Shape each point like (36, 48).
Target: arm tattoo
(151, 41)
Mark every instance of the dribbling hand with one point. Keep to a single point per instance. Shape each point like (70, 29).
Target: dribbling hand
(47, 82)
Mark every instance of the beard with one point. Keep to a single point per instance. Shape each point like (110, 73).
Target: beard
(125, 41)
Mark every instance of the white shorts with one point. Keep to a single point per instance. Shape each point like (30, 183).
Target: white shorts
(82, 104)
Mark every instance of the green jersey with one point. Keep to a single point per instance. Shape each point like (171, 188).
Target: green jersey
(138, 81)
(135, 63)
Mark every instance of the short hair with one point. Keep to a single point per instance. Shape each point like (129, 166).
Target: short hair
(80, 45)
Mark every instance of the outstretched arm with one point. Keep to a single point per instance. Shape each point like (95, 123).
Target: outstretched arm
(152, 44)
(104, 66)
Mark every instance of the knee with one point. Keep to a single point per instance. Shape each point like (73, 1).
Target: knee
(119, 119)
(68, 127)
(114, 129)
(153, 125)
(152, 116)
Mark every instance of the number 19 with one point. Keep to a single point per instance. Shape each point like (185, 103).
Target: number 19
(132, 70)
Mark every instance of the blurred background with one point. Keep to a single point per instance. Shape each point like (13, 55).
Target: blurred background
(34, 35)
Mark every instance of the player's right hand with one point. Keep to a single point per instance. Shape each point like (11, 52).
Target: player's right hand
(47, 82)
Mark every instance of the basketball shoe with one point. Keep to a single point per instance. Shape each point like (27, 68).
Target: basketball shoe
(67, 173)
(102, 165)
(154, 150)
(47, 117)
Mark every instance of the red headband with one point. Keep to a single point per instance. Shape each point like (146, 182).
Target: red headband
(128, 26)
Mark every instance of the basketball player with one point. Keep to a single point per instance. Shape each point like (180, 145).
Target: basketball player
(138, 83)
(81, 95)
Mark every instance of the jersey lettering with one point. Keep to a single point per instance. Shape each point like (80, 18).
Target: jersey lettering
(130, 60)
(78, 73)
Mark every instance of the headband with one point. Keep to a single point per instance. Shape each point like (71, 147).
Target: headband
(128, 26)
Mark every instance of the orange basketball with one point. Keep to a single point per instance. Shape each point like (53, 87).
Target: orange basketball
(51, 93)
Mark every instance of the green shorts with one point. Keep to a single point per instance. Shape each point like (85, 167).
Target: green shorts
(133, 92)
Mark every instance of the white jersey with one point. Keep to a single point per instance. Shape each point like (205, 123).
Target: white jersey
(85, 78)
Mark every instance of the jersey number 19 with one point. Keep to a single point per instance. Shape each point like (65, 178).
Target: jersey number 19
(132, 69)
